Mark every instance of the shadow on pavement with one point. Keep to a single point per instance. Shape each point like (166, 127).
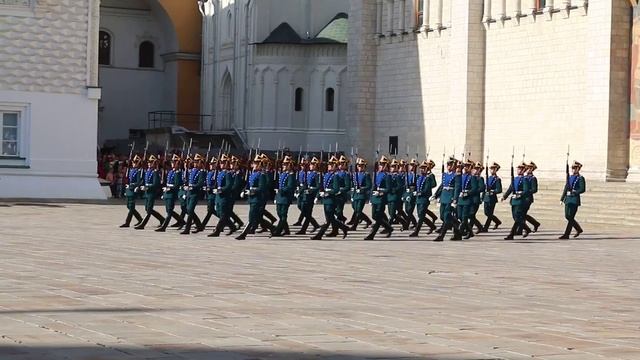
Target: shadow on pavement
(200, 352)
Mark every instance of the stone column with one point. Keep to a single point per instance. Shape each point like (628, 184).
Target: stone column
(390, 9)
(439, 15)
(361, 76)
(605, 153)
(425, 15)
(379, 7)
(466, 69)
(486, 16)
(402, 17)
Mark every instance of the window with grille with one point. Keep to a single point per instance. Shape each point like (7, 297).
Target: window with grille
(298, 99)
(9, 134)
(104, 48)
(330, 99)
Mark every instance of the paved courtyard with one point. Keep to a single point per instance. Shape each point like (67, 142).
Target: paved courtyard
(74, 286)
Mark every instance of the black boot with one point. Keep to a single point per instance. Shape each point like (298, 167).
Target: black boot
(218, 229)
(270, 216)
(243, 234)
(166, 222)
(497, 222)
(478, 225)
(299, 221)
(352, 221)
(127, 221)
(373, 231)
(578, 229)
(513, 231)
(187, 226)
(486, 225)
(416, 231)
(143, 223)
(314, 223)
(432, 216)
(236, 220)
(138, 217)
(366, 219)
(180, 222)
(567, 231)
(321, 232)
(443, 232)
(334, 231)
(533, 222)
(303, 229)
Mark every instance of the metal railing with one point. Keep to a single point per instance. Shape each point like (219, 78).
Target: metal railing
(159, 119)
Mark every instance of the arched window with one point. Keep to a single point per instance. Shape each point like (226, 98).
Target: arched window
(146, 54)
(329, 99)
(104, 48)
(298, 100)
(229, 23)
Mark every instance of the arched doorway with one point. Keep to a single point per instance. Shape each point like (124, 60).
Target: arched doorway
(226, 102)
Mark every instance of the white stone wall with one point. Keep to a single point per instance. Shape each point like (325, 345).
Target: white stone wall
(44, 69)
(45, 49)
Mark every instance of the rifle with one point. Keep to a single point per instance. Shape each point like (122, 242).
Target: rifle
(129, 163)
(524, 151)
(567, 169)
(164, 165)
(208, 151)
(190, 145)
(486, 168)
(444, 151)
(184, 145)
(300, 155)
(376, 163)
(336, 153)
(513, 176)
(146, 147)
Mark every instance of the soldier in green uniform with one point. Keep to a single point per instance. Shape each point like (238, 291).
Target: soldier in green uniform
(422, 194)
(224, 191)
(309, 189)
(394, 195)
(533, 189)
(446, 194)
(345, 187)
(575, 186)
(209, 186)
(361, 188)
(151, 186)
(170, 192)
(409, 196)
(182, 193)
(257, 193)
(331, 185)
(519, 190)
(477, 197)
(302, 172)
(135, 180)
(197, 179)
(465, 194)
(238, 186)
(285, 193)
(490, 199)
(381, 186)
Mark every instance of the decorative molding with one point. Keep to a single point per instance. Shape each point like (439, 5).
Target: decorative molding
(178, 56)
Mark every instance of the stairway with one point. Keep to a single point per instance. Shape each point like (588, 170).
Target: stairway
(614, 204)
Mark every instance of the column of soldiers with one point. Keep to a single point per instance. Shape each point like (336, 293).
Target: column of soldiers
(400, 192)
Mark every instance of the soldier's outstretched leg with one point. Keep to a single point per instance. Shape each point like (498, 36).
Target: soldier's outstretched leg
(236, 220)
(143, 223)
(433, 216)
(269, 216)
(166, 222)
(536, 224)
(180, 221)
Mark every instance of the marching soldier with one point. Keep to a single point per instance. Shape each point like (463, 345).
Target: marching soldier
(301, 177)
(361, 187)
(575, 186)
(197, 179)
(381, 187)
(270, 170)
(465, 196)
(223, 190)
(309, 192)
(182, 193)
(170, 192)
(257, 193)
(238, 186)
(345, 185)
(394, 195)
(150, 188)
(409, 196)
(284, 196)
(131, 191)
(519, 189)
(210, 185)
(446, 194)
(477, 197)
(490, 199)
(422, 194)
(533, 189)
(331, 185)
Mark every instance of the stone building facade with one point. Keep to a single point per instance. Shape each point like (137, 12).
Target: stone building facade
(48, 98)
(489, 78)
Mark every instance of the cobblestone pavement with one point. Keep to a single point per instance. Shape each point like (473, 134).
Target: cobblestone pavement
(75, 286)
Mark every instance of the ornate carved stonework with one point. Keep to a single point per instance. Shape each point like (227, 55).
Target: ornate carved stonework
(25, 3)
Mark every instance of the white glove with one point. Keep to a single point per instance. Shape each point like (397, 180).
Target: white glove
(315, 201)
(432, 198)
